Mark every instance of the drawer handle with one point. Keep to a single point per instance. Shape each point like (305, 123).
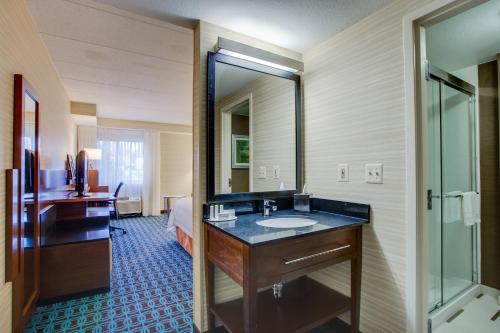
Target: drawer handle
(293, 261)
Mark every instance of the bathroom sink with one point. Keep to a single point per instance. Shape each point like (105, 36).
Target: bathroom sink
(287, 222)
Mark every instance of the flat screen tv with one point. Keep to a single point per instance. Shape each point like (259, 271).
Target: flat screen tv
(81, 173)
(29, 173)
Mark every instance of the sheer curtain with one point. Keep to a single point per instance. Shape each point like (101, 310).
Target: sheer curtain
(86, 137)
(29, 135)
(122, 159)
(131, 157)
(151, 185)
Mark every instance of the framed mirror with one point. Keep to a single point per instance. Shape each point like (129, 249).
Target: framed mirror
(254, 143)
(26, 160)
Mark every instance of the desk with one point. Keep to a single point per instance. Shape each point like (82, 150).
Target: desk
(75, 245)
(166, 206)
(69, 206)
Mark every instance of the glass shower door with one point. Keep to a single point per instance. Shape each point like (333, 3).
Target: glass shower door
(451, 172)
(434, 258)
(458, 176)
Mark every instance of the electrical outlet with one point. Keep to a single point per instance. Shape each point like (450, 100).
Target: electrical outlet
(276, 171)
(343, 172)
(262, 172)
(374, 173)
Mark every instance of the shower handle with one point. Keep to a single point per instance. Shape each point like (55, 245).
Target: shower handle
(431, 196)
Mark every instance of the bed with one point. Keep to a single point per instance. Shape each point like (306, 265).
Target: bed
(180, 221)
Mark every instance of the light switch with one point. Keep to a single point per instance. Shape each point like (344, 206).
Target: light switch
(374, 173)
(262, 172)
(343, 172)
(276, 171)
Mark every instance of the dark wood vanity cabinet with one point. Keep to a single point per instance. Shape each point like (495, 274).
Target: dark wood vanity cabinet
(305, 303)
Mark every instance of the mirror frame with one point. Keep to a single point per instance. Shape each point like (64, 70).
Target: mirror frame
(214, 58)
(21, 311)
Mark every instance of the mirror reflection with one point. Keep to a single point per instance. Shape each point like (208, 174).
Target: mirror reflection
(254, 131)
(29, 146)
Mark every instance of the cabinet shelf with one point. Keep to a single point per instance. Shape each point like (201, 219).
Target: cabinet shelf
(305, 304)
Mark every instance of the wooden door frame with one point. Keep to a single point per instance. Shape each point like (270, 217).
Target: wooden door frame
(21, 312)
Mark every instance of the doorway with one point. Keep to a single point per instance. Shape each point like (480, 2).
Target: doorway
(236, 146)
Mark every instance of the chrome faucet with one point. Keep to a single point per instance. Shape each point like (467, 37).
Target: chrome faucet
(269, 207)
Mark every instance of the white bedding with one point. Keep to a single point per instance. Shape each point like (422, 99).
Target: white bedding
(182, 216)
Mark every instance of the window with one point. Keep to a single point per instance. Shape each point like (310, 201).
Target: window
(122, 159)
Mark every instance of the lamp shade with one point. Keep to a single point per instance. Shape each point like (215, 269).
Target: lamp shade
(93, 154)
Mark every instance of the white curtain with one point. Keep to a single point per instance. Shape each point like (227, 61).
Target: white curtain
(122, 159)
(151, 185)
(29, 135)
(86, 137)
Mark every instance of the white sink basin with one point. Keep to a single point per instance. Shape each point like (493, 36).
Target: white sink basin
(287, 222)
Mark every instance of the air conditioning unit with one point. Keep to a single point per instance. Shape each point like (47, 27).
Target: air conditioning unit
(129, 205)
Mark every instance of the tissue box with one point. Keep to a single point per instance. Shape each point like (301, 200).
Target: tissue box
(301, 202)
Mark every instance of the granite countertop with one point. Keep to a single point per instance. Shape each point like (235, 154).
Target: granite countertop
(246, 229)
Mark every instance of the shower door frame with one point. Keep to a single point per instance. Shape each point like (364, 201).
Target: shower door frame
(446, 79)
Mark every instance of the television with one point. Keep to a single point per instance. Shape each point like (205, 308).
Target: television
(81, 173)
(29, 171)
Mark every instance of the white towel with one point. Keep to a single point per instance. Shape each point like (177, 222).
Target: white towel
(470, 208)
(452, 207)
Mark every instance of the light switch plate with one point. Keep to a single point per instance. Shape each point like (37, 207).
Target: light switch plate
(374, 173)
(343, 172)
(262, 172)
(276, 171)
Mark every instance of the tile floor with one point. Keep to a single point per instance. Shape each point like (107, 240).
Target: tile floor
(476, 318)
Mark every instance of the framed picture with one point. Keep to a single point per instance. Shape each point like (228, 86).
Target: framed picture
(240, 148)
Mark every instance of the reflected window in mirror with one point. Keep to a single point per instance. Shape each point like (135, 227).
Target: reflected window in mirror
(255, 129)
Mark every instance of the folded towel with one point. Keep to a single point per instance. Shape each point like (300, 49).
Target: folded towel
(471, 208)
(452, 207)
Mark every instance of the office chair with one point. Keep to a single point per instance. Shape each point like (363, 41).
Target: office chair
(117, 215)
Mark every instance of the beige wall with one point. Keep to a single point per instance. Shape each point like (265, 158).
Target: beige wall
(22, 51)
(176, 168)
(205, 39)
(355, 113)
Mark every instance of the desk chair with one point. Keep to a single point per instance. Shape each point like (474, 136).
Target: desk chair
(115, 209)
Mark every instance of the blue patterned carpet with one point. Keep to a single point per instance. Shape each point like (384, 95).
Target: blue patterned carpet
(151, 288)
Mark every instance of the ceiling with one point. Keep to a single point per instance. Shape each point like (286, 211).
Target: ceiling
(132, 67)
(229, 79)
(134, 59)
(294, 24)
(470, 38)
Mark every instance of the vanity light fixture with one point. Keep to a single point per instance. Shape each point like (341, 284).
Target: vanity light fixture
(250, 53)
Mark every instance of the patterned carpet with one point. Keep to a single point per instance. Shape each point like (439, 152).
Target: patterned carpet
(151, 288)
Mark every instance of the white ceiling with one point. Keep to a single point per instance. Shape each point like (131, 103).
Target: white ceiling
(141, 68)
(132, 67)
(470, 38)
(229, 79)
(293, 24)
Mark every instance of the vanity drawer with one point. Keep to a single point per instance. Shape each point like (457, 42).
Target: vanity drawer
(292, 258)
